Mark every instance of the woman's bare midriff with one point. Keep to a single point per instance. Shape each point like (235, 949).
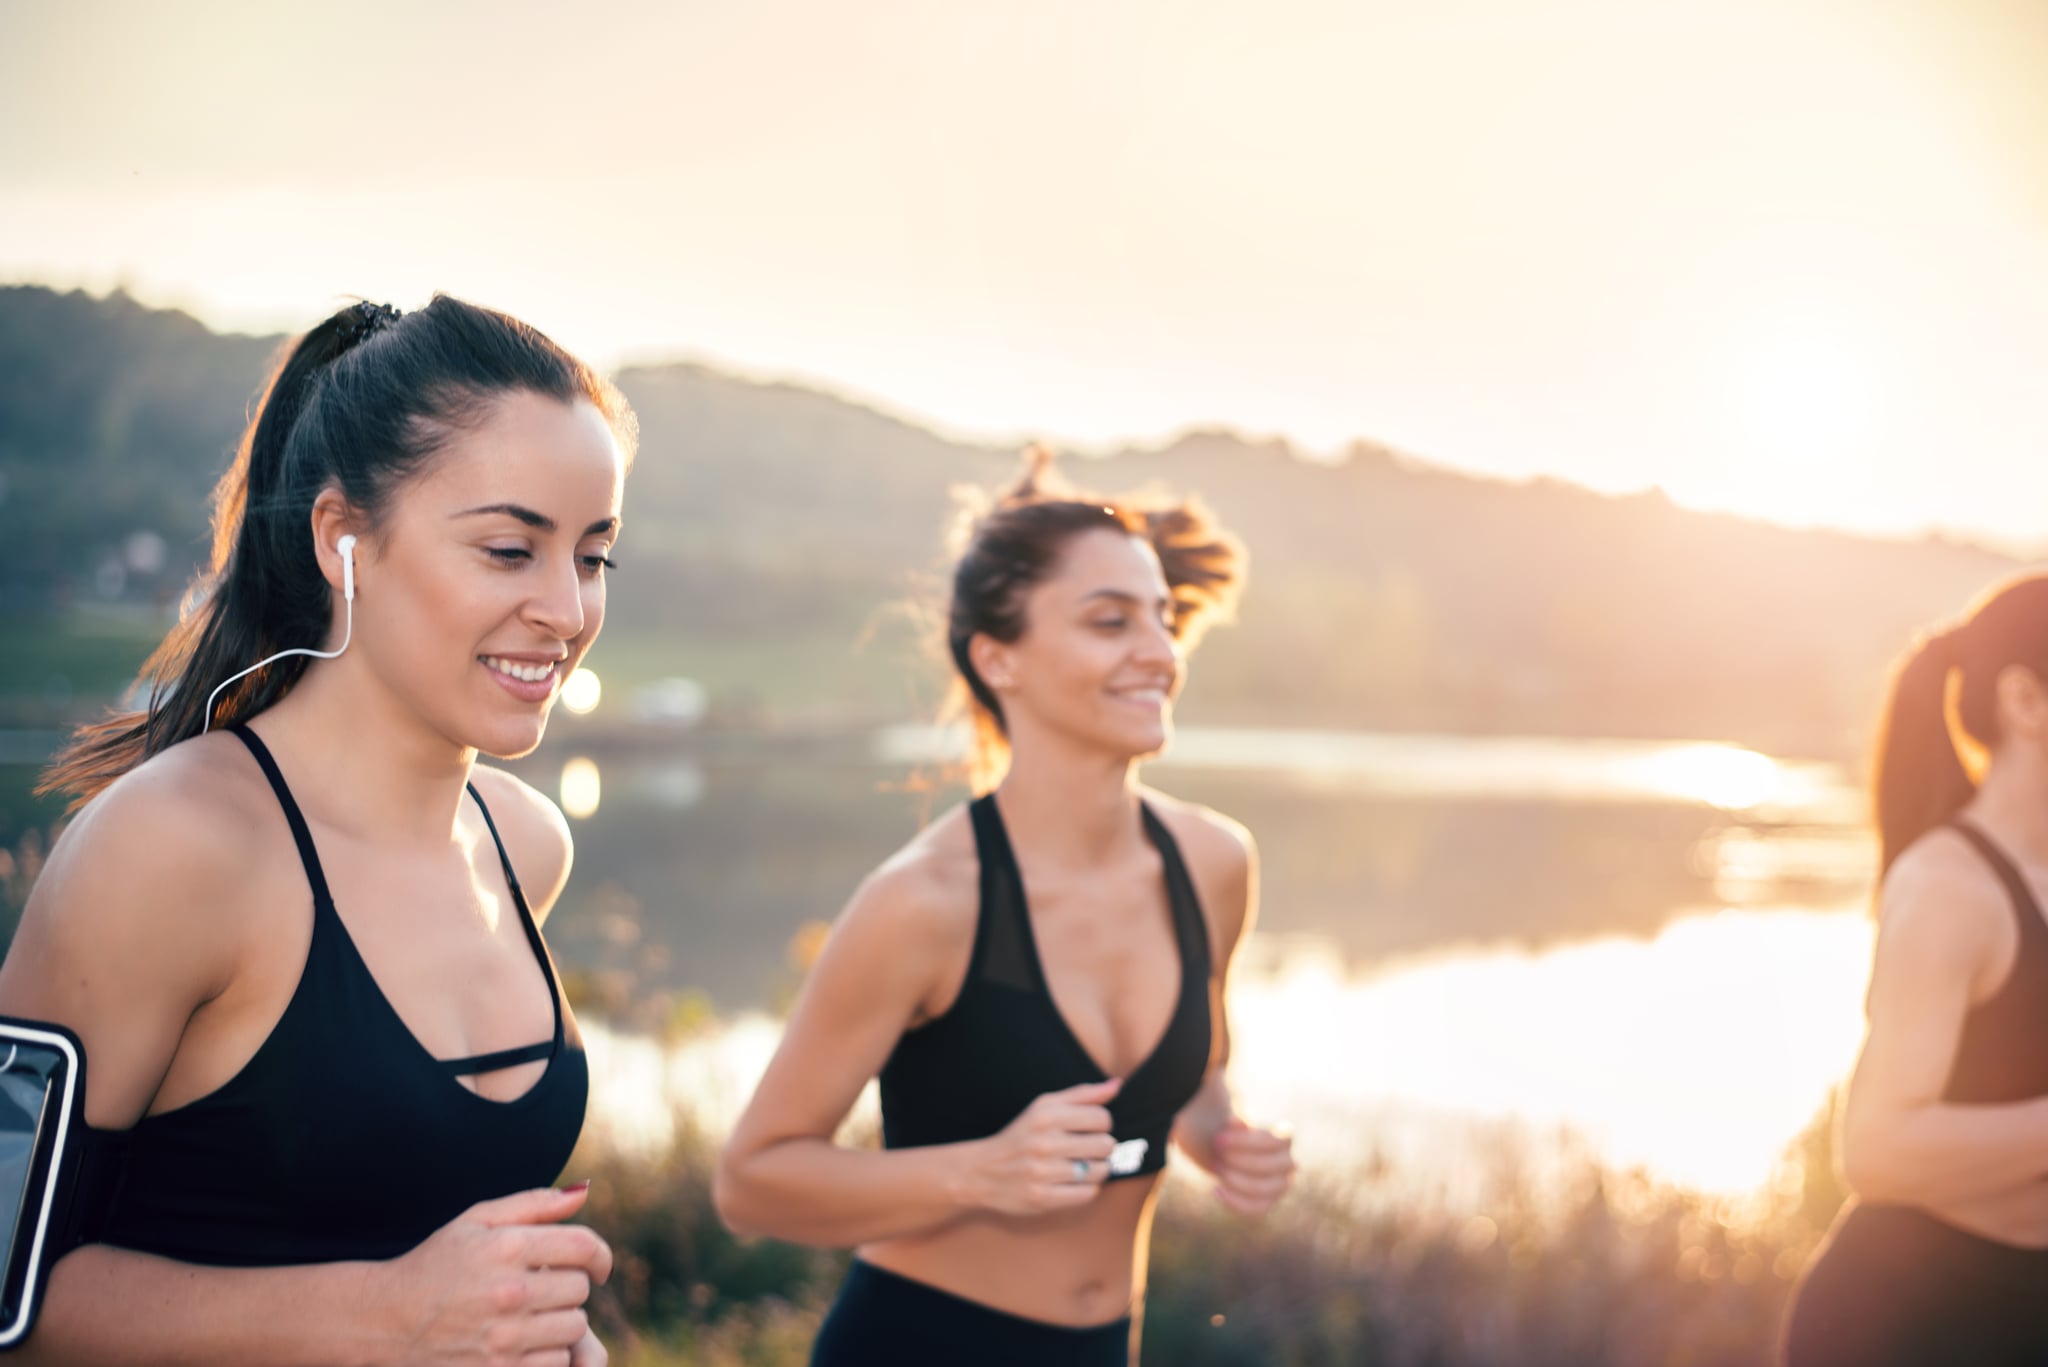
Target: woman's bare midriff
(2018, 1218)
(1076, 1268)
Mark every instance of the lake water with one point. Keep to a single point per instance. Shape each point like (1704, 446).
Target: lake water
(1651, 953)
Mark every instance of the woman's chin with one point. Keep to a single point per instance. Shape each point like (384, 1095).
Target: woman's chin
(509, 739)
(1143, 743)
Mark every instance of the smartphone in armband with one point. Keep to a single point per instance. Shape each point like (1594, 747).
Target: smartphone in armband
(42, 1130)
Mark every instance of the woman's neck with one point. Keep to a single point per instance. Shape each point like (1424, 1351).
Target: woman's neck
(1073, 807)
(364, 762)
(2012, 803)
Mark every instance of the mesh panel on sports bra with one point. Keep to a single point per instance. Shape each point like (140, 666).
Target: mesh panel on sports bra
(1005, 956)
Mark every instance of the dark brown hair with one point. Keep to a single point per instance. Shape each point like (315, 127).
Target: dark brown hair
(1016, 543)
(1943, 688)
(361, 403)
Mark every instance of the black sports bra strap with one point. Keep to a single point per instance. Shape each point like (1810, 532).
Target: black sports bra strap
(1002, 949)
(511, 878)
(1188, 921)
(302, 836)
(502, 1058)
(2024, 905)
(540, 950)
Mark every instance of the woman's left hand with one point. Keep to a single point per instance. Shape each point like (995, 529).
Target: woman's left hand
(1254, 1167)
(588, 1352)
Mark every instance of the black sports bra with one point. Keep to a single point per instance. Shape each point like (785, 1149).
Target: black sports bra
(1003, 1042)
(343, 1138)
(2002, 1053)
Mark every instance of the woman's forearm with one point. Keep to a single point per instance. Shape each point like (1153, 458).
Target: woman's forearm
(812, 1191)
(1202, 1119)
(110, 1307)
(1944, 1152)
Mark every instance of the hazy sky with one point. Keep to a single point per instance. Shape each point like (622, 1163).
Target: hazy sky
(1781, 256)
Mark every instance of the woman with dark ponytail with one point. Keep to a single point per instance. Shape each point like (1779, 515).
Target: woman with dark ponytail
(1942, 1254)
(327, 1048)
(1038, 977)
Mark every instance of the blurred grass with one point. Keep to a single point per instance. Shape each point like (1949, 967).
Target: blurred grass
(56, 671)
(52, 665)
(1604, 1268)
(21, 859)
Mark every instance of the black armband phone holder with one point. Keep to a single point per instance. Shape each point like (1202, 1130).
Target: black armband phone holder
(56, 1174)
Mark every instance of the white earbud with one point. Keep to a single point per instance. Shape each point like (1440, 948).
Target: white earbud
(347, 547)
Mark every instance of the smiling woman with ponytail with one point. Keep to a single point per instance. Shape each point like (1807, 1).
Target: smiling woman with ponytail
(1942, 1255)
(328, 1054)
(1026, 1128)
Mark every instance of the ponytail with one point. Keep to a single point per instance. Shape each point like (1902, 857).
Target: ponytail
(1919, 780)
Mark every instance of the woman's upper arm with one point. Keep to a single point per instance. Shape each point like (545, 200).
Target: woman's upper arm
(127, 934)
(1223, 860)
(1943, 922)
(904, 931)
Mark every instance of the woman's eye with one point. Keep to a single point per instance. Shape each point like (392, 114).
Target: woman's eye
(596, 563)
(508, 555)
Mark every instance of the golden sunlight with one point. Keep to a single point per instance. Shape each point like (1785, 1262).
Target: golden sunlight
(581, 692)
(1561, 768)
(580, 788)
(1797, 436)
(1722, 776)
(1698, 1056)
(1803, 395)
(640, 1089)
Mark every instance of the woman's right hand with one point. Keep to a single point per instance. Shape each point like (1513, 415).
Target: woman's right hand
(502, 1283)
(1029, 1167)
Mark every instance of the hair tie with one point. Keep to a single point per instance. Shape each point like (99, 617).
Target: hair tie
(362, 320)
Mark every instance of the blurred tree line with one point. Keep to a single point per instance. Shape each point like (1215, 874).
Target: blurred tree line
(773, 530)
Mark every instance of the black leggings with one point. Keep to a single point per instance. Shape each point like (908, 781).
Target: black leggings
(886, 1320)
(1894, 1286)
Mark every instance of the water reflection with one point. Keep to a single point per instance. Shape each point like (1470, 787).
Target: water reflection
(729, 859)
(673, 785)
(1446, 766)
(641, 1089)
(1698, 1055)
(1752, 864)
(1650, 953)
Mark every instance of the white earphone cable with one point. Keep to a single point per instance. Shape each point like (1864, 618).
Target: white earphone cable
(347, 547)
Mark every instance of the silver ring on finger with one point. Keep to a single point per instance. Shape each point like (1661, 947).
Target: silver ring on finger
(1080, 1169)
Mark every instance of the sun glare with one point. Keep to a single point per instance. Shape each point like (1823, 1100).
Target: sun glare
(1804, 393)
(580, 789)
(1718, 775)
(581, 692)
(1798, 428)
(1698, 1056)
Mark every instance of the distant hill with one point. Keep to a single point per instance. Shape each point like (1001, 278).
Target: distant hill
(768, 526)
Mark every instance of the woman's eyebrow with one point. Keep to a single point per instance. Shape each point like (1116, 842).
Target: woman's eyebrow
(537, 520)
(1121, 596)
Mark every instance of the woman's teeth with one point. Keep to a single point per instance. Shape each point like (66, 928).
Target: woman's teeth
(525, 673)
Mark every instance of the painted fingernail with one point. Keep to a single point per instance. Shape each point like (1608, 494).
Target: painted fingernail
(584, 1185)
